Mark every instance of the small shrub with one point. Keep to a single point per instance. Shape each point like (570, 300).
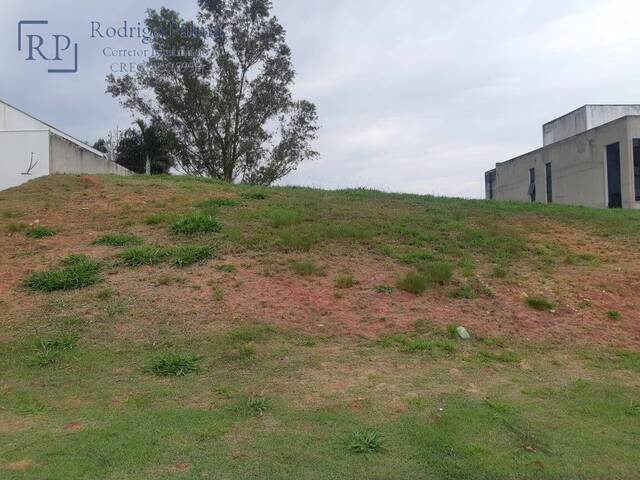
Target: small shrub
(305, 268)
(540, 303)
(386, 289)
(138, 256)
(40, 232)
(175, 364)
(452, 331)
(118, 240)
(196, 223)
(79, 272)
(345, 281)
(365, 441)
(613, 314)
(191, 254)
(258, 405)
(413, 282)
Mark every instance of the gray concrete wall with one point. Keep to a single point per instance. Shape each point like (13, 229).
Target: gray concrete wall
(578, 168)
(68, 157)
(17, 148)
(565, 126)
(583, 119)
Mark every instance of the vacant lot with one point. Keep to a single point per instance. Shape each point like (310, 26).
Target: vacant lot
(160, 328)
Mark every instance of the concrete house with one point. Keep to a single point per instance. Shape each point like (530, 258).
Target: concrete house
(31, 148)
(590, 157)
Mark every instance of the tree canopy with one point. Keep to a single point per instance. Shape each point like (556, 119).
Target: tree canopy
(221, 88)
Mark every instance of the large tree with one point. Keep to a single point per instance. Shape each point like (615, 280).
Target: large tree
(222, 89)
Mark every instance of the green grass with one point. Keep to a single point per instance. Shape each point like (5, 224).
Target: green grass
(614, 314)
(175, 364)
(540, 303)
(305, 268)
(214, 203)
(194, 224)
(147, 255)
(40, 232)
(118, 240)
(413, 282)
(78, 271)
(345, 281)
(320, 396)
(365, 441)
(191, 254)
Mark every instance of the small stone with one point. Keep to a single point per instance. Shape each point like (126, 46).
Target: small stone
(463, 333)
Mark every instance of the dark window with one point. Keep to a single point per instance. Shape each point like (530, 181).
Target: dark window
(636, 167)
(614, 177)
(490, 180)
(549, 183)
(532, 184)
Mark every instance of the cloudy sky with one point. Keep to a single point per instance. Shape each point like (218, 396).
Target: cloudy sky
(413, 95)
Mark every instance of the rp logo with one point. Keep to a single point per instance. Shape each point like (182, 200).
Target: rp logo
(56, 49)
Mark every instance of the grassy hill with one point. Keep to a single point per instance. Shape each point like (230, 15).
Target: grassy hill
(165, 327)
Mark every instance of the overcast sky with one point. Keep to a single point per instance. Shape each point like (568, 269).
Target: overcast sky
(413, 95)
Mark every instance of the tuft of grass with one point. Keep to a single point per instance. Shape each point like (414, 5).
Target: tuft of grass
(386, 289)
(191, 254)
(195, 223)
(305, 268)
(254, 196)
(283, 217)
(16, 227)
(464, 292)
(218, 293)
(613, 314)
(40, 232)
(105, 294)
(155, 219)
(293, 240)
(258, 406)
(11, 214)
(345, 281)
(365, 441)
(49, 350)
(138, 256)
(500, 272)
(79, 271)
(418, 257)
(214, 203)
(540, 303)
(413, 282)
(226, 267)
(175, 365)
(438, 273)
(505, 357)
(118, 240)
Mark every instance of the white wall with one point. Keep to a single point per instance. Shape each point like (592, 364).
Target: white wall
(68, 157)
(15, 155)
(12, 119)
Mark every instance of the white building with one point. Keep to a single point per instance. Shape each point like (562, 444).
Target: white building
(31, 148)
